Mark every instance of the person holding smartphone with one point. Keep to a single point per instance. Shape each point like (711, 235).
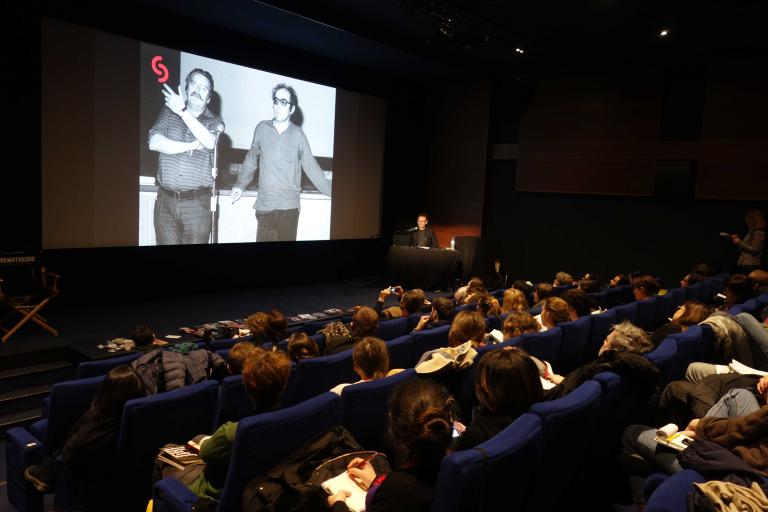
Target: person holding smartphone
(410, 302)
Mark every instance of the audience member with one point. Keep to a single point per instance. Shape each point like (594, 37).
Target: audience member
(620, 353)
(266, 327)
(264, 377)
(514, 300)
(618, 280)
(736, 426)
(365, 322)
(370, 360)
(411, 302)
(144, 339)
(470, 293)
(691, 278)
(488, 305)
(738, 289)
(91, 442)
(579, 303)
(467, 326)
(238, 354)
(518, 323)
(420, 427)
(442, 314)
(524, 286)
(301, 346)
(540, 292)
(506, 384)
(690, 313)
(589, 284)
(645, 286)
(563, 279)
(759, 280)
(553, 312)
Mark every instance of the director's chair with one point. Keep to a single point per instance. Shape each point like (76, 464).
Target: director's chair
(25, 296)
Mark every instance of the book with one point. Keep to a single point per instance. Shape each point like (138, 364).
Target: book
(196, 442)
(178, 456)
(497, 335)
(668, 435)
(744, 369)
(343, 482)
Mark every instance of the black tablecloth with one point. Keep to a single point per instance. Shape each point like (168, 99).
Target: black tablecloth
(428, 269)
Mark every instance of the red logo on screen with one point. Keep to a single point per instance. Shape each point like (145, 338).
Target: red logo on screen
(159, 69)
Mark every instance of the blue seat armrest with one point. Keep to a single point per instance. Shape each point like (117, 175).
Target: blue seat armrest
(38, 428)
(22, 449)
(171, 495)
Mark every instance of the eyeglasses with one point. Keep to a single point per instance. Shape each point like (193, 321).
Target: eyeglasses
(280, 101)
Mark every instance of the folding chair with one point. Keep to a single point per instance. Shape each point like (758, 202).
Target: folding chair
(25, 289)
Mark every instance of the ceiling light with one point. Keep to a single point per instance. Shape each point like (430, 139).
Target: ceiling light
(664, 32)
(519, 50)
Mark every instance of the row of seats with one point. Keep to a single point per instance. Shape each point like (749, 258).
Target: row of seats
(197, 408)
(316, 378)
(667, 493)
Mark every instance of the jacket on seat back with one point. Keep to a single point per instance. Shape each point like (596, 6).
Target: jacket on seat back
(161, 370)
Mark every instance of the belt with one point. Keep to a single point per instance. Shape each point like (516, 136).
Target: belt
(186, 194)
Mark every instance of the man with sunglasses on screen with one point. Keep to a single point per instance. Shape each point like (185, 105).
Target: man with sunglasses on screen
(185, 135)
(281, 151)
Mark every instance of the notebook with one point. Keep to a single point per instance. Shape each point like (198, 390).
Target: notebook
(343, 482)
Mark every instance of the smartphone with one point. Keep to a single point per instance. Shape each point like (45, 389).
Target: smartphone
(455, 432)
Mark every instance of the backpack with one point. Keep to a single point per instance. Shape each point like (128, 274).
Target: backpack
(294, 484)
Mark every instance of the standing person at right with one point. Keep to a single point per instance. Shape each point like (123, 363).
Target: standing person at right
(751, 246)
(281, 151)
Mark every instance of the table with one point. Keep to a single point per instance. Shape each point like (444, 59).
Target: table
(428, 269)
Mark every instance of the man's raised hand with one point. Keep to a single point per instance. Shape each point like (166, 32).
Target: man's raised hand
(173, 101)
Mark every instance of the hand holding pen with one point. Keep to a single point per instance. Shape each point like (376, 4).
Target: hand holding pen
(361, 471)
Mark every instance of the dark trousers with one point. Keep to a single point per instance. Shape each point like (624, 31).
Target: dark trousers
(277, 225)
(182, 221)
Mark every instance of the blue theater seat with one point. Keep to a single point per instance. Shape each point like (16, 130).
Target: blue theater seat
(25, 447)
(500, 471)
(261, 441)
(574, 343)
(364, 408)
(103, 366)
(569, 425)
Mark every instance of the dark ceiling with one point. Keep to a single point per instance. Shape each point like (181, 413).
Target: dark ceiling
(447, 36)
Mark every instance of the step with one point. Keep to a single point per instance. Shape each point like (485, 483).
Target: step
(19, 419)
(23, 399)
(43, 374)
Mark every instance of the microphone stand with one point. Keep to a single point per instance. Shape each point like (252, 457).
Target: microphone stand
(214, 237)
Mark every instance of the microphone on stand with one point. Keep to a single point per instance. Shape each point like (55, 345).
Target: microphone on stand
(214, 192)
(411, 230)
(215, 169)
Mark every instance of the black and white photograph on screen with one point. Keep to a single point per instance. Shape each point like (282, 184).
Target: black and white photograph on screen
(245, 155)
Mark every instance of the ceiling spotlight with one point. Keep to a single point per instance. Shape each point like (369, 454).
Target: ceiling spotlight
(663, 33)
(519, 50)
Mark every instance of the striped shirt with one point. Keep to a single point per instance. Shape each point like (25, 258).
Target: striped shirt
(188, 170)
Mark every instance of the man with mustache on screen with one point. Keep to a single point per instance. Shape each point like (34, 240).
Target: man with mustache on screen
(185, 135)
(281, 150)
